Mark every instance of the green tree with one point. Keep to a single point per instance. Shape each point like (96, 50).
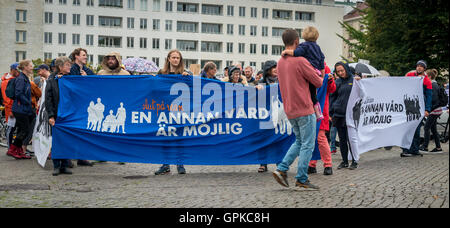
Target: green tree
(401, 32)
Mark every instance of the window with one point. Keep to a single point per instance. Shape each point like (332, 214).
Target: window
(254, 12)
(264, 49)
(90, 20)
(75, 39)
(76, 19)
(63, 2)
(211, 28)
(169, 6)
(304, 16)
(47, 55)
(187, 7)
(230, 10)
(90, 59)
(143, 23)
(211, 9)
(111, 3)
(48, 38)
(62, 18)
(48, 1)
(156, 5)
(130, 22)
(241, 48)
(130, 4)
(282, 14)
(252, 48)
(277, 32)
(21, 55)
(168, 44)
(61, 54)
(187, 45)
(242, 30)
(61, 38)
(21, 16)
(168, 25)
(265, 31)
(230, 28)
(156, 61)
(265, 13)
(76, 2)
(144, 5)
(114, 22)
(229, 47)
(241, 11)
(156, 23)
(21, 36)
(277, 49)
(155, 43)
(89, 40)
(143, 42)
(48, 18)
(187, 26)
(90, 3)
(318, 2)
(253, 30)
(109, 41)
(130, 42)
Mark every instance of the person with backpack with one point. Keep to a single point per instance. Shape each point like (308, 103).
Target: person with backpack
(439, 100)
(22, 108)
(8, 102)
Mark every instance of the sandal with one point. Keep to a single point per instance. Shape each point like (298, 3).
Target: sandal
(262, 169)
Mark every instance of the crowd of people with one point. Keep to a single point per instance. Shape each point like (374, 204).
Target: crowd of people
(299, 72)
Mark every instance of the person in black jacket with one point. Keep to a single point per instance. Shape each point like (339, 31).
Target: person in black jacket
(338, 109)
(63, 65)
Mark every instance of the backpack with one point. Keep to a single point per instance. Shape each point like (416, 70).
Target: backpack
(443, 97)
(11, 88)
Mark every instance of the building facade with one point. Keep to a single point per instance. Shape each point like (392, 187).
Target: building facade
(225, 32)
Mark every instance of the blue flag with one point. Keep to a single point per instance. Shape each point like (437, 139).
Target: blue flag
(169, 119)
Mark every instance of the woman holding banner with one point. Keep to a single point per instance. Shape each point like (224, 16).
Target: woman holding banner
(174, 65)
(338, 109)
(63, 65)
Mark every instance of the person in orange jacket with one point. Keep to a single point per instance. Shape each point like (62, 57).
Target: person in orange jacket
(8, 102)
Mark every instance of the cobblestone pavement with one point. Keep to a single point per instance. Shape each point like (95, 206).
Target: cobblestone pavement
(382, 180)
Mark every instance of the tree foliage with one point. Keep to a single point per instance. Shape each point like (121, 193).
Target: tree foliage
(401, 32)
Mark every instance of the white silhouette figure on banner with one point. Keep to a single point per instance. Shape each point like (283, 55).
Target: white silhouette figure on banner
(121, 116)
(279, 118)
(110, 123)
(99, 109)
(92, 119)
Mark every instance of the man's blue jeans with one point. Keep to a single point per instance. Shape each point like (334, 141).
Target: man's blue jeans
(305, 132)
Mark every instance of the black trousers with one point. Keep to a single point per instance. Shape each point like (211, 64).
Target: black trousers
(344, 143)
(23, 125)
(431, 125)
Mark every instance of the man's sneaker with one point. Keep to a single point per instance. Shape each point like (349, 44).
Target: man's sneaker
(56, 172)
(312, 170)
(306, 186)
(342, 165)
(66, 171)
(418, 154)
(354, 165)
(436, 151)
(328, 171)
(281, 178)
(423, 149)
(163, 170)
(405, 155)
(181, 169)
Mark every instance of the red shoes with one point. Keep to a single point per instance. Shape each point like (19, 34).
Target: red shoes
(17, 152)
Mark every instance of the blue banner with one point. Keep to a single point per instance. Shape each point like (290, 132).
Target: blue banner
(170, 119)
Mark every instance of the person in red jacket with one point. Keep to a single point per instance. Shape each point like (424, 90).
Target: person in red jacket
(421, 66)
(324, 148)
(8, 102)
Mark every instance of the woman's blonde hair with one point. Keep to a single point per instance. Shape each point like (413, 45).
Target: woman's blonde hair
(179, 69)
(433, 73)
(310, 34)
(23, 64)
